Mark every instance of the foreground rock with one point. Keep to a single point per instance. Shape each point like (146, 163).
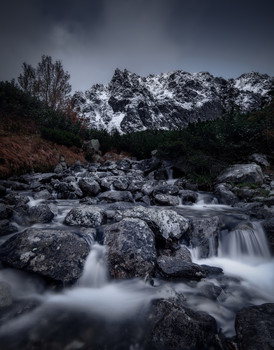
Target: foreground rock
(57, 254)
(255, 327)
(131, 250)
(177, 327)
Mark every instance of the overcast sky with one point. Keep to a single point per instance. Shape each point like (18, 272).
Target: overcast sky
(92, 38)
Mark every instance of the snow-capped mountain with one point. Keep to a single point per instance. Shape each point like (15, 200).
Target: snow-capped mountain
(169, 100)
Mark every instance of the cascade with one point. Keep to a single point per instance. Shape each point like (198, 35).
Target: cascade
(246, 241)
(95, 270)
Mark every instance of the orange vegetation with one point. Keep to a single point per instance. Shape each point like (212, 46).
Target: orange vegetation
(21, 153)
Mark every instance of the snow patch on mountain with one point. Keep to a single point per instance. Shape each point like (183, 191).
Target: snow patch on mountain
(168, 100)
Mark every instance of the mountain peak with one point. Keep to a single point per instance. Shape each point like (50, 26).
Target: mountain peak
(170, 100)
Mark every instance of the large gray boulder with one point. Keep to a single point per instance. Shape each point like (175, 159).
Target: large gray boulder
(238, 173)
(131, 248)
(175, 327)
(255, 327)
(85, 215)
(57, 254)
(164, 222)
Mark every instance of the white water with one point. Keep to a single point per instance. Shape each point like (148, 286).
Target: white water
(243, 254)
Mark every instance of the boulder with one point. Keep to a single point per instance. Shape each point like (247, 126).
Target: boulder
(5, 212)
(166, 199)
(166, 189)
(260, 159)
(89, 188)
(174, 326)
(255, 327)
(164, 222)
(6, 227)
(56, 254)
(131, 248)
(116, 196)
(44, 194)
(204, 236)
(121, 183)
(85, 215)
(188, 196)
(17, 199)
(40, 213)
(239, 173)
(173, 268)
(225, 195)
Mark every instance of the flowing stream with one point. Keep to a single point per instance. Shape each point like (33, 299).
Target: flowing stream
(243, 254)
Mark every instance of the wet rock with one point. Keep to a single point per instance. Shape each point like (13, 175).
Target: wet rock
(40, 213)
(17, 199)
(188, 196)
(131, 248)
(6, 227)
(3, 191)
(57, 254)
(5, 212)
(5, 295)
(255, 328)
(148, 165)
(87, 216)
(225, 195)
(44, 194)
(204, 236)
(173, 268)
(166, 189)
(268, 226)
(177, 327)
(89, 188)
(239, 173)
(260, 159)
(209, 290)
(165, 199)
(123, 164)
(164, 222)
(212, 271)
(116, 196)
(121, 183)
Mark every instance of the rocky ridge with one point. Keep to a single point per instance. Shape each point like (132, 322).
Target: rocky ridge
(168, 101)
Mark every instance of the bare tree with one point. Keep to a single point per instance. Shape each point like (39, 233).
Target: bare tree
(48, 81)
(27, 79)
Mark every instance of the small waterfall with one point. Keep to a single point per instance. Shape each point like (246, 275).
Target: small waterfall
(169, 172)
(245, 241)
(95, 270)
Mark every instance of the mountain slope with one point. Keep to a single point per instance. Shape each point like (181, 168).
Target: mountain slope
(169, 100)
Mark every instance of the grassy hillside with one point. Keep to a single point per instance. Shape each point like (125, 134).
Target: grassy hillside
(23, 122)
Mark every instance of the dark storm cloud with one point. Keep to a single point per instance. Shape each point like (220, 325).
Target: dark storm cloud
(92, 38)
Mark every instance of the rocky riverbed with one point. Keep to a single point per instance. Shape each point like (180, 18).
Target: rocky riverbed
(120, 255)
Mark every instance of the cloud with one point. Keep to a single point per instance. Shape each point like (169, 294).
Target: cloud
(92, 38)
